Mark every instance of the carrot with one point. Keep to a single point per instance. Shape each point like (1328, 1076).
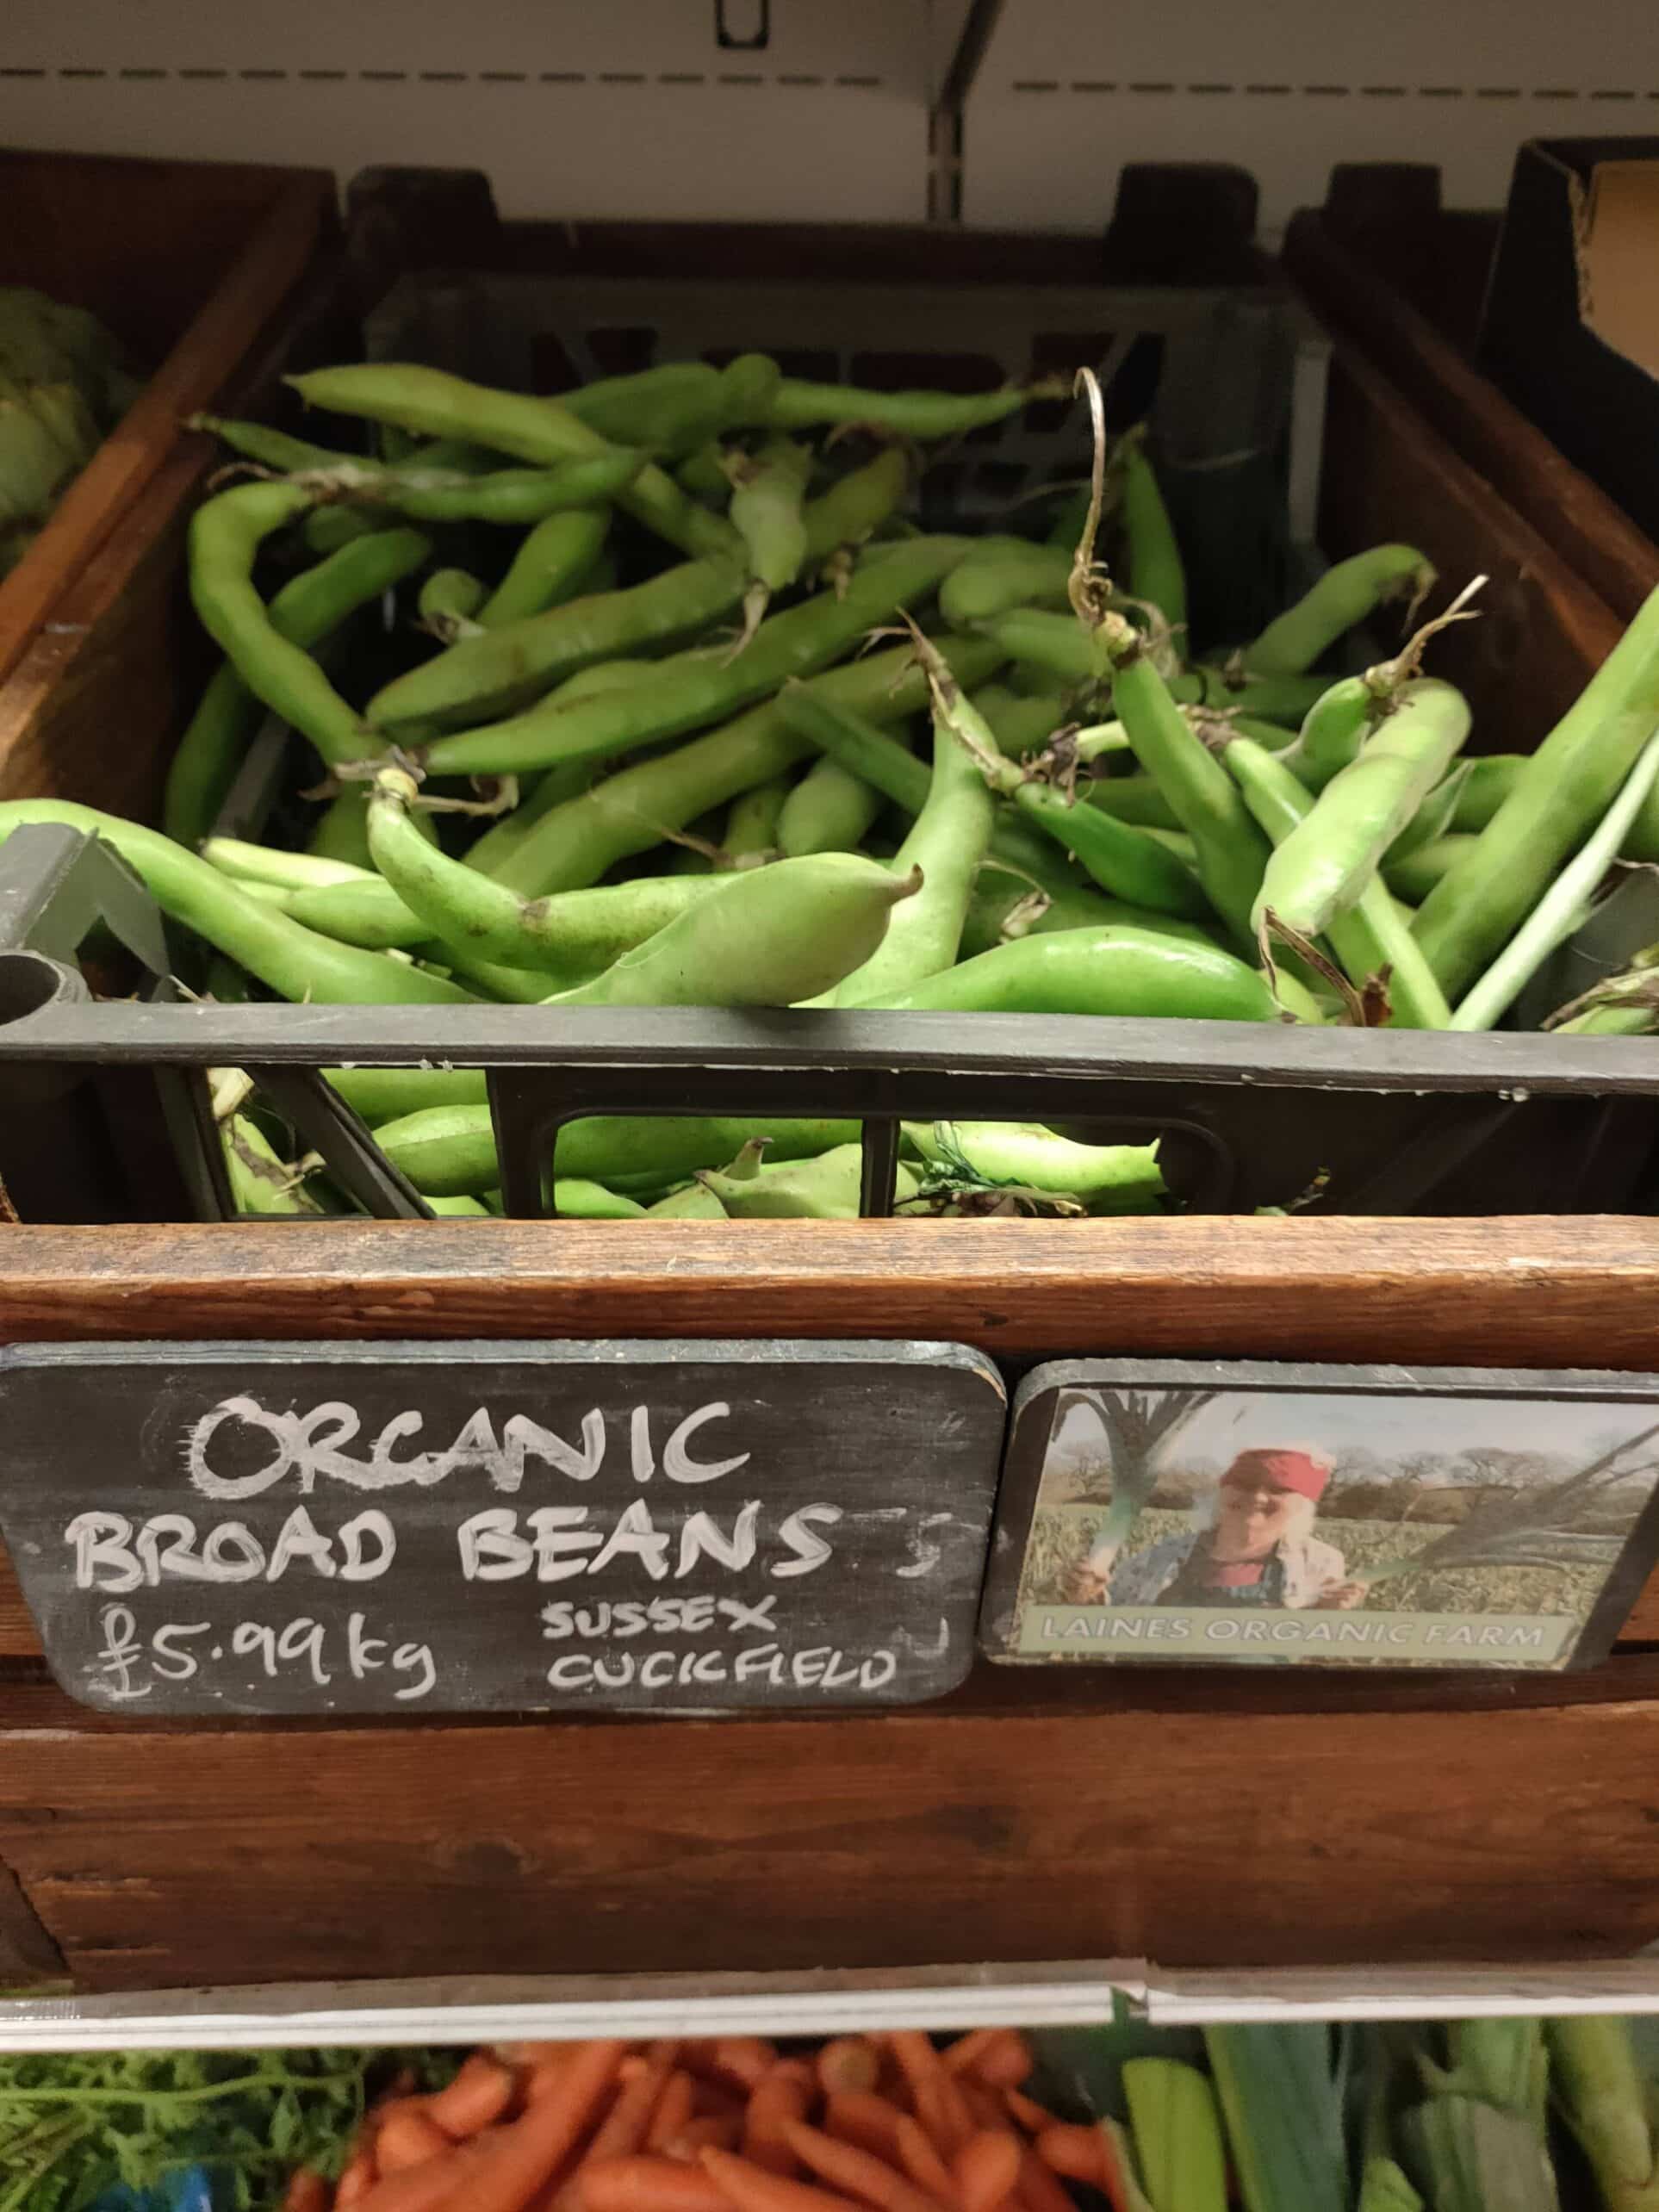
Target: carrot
(1032, 2117)
(1076, 2152)
(428, 2188)
(923, 2162)
(776, 2106)
(986, 2169)
(858, 2173)
(1039, 2192)
(716, 2099)
(544, 2077)
(408, 2138)
(722, 2129)
(939, 2102)
(476, 2098)
(626, 2125)
(674, 2110)
(1005, 2062)
(526, 2156)
(307, 2192)
(858, 2116)
(985, 2107)
(644, 2184)
(748, 2188)
(745, 2059)
(357, 2180)
(957, 2057)
(849, 2062)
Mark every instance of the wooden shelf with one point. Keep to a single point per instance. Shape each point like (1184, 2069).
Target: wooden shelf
(1204, 1822)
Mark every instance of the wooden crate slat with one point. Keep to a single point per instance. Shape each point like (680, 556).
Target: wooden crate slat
(1197, 1825)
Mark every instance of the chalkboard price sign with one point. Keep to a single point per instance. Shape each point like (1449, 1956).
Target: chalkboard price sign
(212, 1529)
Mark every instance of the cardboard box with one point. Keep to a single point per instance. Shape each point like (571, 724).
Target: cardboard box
(1571, 328)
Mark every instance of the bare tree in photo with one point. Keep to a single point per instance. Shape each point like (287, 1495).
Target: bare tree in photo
(1574, 1522)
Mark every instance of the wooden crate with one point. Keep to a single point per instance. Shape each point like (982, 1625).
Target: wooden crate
(1036, 1813)
(1385, 264)
(197, 268)
(1047, 1813)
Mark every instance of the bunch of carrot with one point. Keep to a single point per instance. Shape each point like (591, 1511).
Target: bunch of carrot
(878, 2123)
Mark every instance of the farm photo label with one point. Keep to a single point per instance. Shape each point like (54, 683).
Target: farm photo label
(1248, 1514)
(217, 1529)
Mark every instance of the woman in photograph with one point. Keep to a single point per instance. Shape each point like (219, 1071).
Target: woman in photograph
(1259, 1550)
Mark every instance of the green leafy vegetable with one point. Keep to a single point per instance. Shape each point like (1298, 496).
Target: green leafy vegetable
(73, 2124)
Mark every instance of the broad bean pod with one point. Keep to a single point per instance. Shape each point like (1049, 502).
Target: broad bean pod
(576, 842)
(1344, 594)
(226, 534)
(572, 934)
(1114, 971)
(694, 688)
(304, 612)
(1376, 935)
(1326, 863)
(438, 404)
(292, 961)
(554, 561)
(768, 936)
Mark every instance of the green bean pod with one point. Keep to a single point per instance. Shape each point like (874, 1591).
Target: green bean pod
(329, 529)
(1123, 862)
(571, 935)
(830, 720)
(575, 843)
(703, 474)
(450, 1151)
(1003, 907)
(800, 404)
(1021, 724)
(1107, 1178)
(261, 1181)
(520, 661)
(341, 830)
(449, 599)
(549, 567)
(1565, 788)
(1412, 876)
(752, 822)
(1231, 851)
(695, 688)
(1487, 782)
(1374, 935)
(1153, 567)
(1327, 862)
(829, 810)
(270, 864)
(1056, 644)
(290, 961)
(1344, 594)
(1001, 574)
(518, 497)
(822, 1189)
(226, 534)
(947, 842)
(629, 409)
(1563, 907)
(693, 1201)
(1127, 862)
(766, 511)
(305, 612)
(767, 936)
(271, 449)
(1110, 970)
(438, 404)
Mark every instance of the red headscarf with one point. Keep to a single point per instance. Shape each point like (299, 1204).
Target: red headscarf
(1280, 1471)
